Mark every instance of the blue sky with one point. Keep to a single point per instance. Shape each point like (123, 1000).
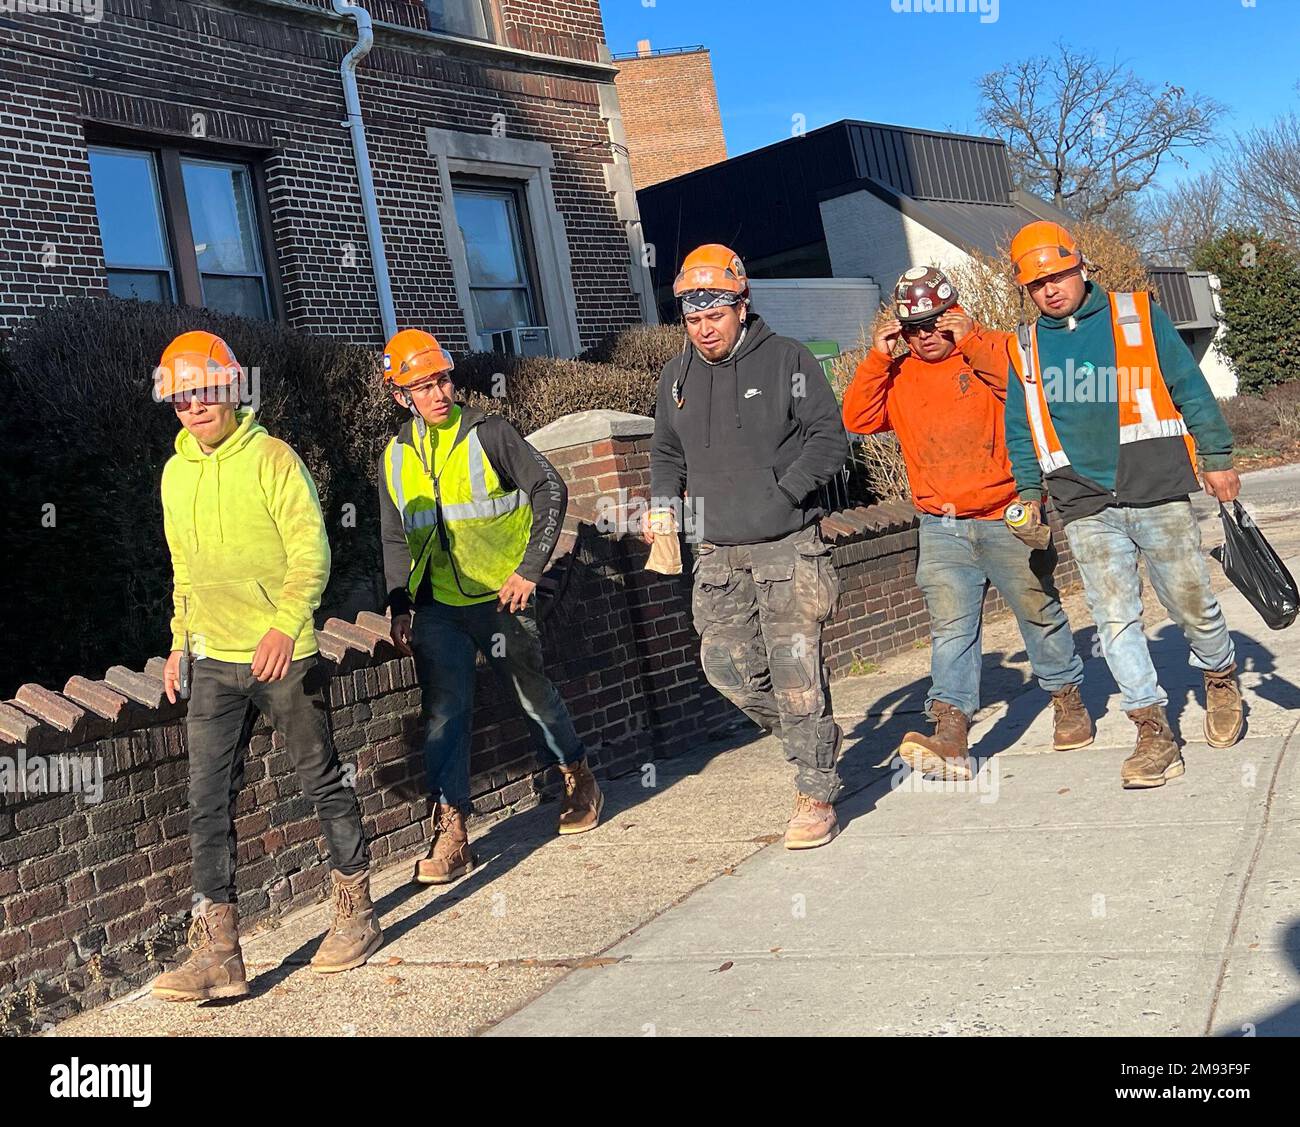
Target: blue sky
(831, 59)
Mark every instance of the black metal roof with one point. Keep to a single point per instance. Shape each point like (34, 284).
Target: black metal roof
(767, 202)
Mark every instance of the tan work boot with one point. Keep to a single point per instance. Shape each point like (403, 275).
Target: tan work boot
(944, 753)
(583, 801)
(1073, 726)
(1223, 708)
(355, 935)
(812, 824)
(1156, 759)
(215, 968)
(449, 857)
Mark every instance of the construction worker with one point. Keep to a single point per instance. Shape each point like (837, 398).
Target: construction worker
(748, 426)
(470, 514)
(250, 560)
(944, 398)
(1109, 413)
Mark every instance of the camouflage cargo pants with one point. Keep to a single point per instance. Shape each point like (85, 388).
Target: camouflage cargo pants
(759, 611)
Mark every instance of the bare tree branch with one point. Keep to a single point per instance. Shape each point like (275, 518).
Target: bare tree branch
(1087, 134)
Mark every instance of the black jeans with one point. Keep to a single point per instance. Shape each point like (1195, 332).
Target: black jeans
(223, 700)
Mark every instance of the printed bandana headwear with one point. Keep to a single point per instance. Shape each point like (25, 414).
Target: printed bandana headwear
(697, 301)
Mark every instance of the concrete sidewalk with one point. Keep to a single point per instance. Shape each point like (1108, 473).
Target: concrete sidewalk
(1042, 899)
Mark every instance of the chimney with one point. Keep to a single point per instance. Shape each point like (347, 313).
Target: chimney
(643, 48)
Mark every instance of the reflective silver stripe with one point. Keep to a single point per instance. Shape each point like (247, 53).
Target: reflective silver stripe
(477, 510)
(1129, 322)
(477, 469)
(1158, 428)
(1048, 460)
(421, 518)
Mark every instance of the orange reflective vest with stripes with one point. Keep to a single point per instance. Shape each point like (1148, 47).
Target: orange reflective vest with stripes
(1146, 410)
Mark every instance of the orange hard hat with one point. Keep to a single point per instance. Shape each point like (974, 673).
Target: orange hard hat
(712, 267)
(413, 355)
(1043, 248)
(192, 362)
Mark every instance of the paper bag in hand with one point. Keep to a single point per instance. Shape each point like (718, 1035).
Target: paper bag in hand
(665, 549)
(1025, 525)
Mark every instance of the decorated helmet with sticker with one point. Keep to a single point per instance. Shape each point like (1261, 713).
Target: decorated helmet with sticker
(923, 292)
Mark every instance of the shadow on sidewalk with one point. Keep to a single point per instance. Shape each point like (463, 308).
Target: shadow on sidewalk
(1284, 1022)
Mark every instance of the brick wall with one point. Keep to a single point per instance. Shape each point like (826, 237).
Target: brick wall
(670, 114)
(265, 80)
(93, 896)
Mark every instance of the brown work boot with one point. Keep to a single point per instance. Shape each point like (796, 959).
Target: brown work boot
(583, 801)
(215, 968)
(449, 857)
(812, 824)
(1156, 759)
(1073, 725)
(355, 935)
(1223, 709)
(944, 753)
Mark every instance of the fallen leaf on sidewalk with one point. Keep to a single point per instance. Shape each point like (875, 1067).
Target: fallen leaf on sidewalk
(725, 966)
(392, 961)
(391, 980)
(1064, 790)
(586, 964)
(773, 950)
(729, 871)
(204, 1017)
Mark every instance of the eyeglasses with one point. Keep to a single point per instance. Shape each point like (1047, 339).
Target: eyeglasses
(442, 382)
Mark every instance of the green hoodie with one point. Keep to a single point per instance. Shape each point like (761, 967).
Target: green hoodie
(248, 544)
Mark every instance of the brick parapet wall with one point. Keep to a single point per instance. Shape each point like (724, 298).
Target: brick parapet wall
(93, 896)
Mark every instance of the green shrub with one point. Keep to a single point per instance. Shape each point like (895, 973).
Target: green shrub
(1260, 279)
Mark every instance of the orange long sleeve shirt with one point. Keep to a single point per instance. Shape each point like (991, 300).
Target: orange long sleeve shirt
(948, 416)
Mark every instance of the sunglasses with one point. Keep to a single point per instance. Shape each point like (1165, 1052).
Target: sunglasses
(1051, 279)
(208, 396)
(918, 327)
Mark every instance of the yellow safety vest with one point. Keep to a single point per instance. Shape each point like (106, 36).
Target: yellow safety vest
(463, 527)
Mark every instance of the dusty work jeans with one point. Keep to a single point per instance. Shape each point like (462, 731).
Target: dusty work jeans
(759, 611)
(445, 640)
(1107, 546)
(223, 701)
(959, 559)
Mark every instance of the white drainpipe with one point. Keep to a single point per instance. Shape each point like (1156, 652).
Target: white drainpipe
(352, 99)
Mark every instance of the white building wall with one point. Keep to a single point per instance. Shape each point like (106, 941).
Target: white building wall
(867, 237)
(817, 308)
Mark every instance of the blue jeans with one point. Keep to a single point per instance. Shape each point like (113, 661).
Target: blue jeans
(959, 558)
(445, 640)
(1107, 546)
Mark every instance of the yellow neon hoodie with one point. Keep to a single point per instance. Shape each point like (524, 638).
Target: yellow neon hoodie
(248, 544)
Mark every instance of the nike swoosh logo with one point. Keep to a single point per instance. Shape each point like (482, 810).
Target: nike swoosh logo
(753, 391)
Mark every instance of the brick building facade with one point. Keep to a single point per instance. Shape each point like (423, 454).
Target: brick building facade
(199, 149)
(670, 112)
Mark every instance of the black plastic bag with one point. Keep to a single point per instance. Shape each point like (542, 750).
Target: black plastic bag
(1255, 569)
